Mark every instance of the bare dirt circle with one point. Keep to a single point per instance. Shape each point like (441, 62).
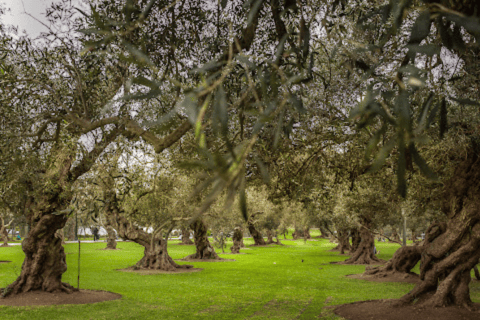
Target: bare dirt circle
(206, 260)
(408, 278)
(42, 298)
(384, 310)
(156, 271)
(359, 264)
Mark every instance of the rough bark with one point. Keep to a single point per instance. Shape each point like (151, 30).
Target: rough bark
(257, 236)
(71, 230)
(355, 239)
(204, 249)
(395, 235)
(364, 253)
(306, 233)
(111, 238)
(237, 240)
(343, 243)
(155, 254)
(186, 237)
(323, 233)
(452, 249)
(270, 237)
(4, 234)
(44, 261)
(401, 264)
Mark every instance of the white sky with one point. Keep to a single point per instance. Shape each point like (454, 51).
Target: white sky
(17, 17)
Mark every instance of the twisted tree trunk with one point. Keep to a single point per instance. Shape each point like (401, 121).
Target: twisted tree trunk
(343, 243)
(3, 233)
(400, 265)
(395, 235)
(269, 237)
(186, 237)
(452, 249)
(365, 251)
(111, 238)
(237, 240)
(155, 254)
(355, 239)
(204, 249)
(257, 236)
(45, 259)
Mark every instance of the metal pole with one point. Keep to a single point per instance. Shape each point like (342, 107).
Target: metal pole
(76, 225)
(404, 227)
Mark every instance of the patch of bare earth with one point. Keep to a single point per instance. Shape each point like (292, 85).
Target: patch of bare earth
(42, 298)
(396, 277)
(156, 271)
(358, 264)
(206, 260)
(385, 310)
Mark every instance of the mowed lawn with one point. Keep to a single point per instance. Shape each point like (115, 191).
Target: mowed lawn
(265, 283)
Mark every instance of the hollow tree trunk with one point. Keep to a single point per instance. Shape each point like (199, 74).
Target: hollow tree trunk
(364, 253)
(401, 264)
(355, 239)
(343, 243)
(204, 249)
(44, 261)
(186, 236)
(452, 249)
(237, 240)
(257, 236)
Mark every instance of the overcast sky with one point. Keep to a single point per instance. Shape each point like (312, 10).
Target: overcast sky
(17, 17)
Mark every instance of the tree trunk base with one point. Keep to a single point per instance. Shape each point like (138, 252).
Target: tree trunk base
(401, 264)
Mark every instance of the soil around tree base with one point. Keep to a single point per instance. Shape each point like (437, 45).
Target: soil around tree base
(205, 260)
(359, 264)
(384, 309)
(394, 277)
(42, 298)
(157, 271)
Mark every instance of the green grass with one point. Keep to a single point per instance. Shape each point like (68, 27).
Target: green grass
(253, 287)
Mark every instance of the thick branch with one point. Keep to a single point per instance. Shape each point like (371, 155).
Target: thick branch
(158, 143)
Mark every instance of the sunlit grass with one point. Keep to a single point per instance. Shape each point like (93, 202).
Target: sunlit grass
(266, 283)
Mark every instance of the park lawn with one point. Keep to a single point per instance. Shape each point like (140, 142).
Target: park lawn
(266, 283)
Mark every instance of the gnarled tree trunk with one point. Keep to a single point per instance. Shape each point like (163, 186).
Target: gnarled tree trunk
(257, 236)
(395, 235)
(3, 233)
(365, 251)
(155, 254)
(355, 239)
(452, 249)
(237, 240)
(45, 260)
(269, 237)
(343, 243)
(186, 237)
(111, 238)
(306, 233)
(204, 249)
(400, 265)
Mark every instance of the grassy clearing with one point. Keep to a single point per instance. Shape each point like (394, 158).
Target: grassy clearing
(267, 283)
